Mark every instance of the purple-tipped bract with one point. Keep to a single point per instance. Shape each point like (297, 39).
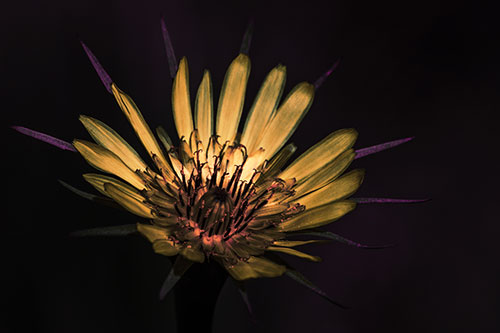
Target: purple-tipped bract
(105, 78)
(387, 200)
(378, 148)
(45, 138)
(169, 49)
(323, 77)
(247, 38)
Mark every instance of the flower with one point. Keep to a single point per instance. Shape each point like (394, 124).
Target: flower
(221, 195)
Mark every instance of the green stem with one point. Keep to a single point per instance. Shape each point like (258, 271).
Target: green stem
(196, 296)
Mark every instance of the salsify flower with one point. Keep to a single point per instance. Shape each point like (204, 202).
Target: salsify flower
(222, 195)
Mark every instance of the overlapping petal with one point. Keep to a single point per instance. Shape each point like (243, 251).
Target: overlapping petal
(286, 119)
(109, 139)
(263, 108)
(104, 160)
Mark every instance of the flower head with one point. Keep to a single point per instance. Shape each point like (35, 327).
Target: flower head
(219, 194)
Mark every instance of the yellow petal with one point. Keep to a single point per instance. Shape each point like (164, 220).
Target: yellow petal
(98, 182)
(104, 160)
(204, 108)
(326, 174)
(112, 141)
(255, 267)
(253, 162)
(232, 97)
(341, 188)
(320, 154)
(241, 271)
(265, 267)
(193, 254)
(128, 202)
(287, 118)
(294, 252)
(317, 217)
(278, 161)
(181, 103)
(263, 108)
(140, 126)
(164, 138)
(165, 247)
(152, 232)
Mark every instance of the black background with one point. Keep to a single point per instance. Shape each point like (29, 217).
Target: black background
(427, 69)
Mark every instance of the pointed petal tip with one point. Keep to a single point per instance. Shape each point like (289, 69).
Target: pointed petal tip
(61, 144)
(103, 75)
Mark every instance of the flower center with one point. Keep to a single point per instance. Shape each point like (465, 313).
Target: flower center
(218, 197)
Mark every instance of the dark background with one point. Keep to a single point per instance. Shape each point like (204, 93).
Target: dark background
(427, 69)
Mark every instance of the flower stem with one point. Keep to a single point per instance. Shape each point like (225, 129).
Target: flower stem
(196, 296)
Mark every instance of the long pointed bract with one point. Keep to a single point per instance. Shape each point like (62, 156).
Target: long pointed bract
(92, 197)
(380, 147)
(181, 265)
(387, 200)
(61, 144)
(338, 238)
(298, 277)
(105, 78)
(120, 230)
(323, 77)
(244, 296)
(169, 49)
(247, 38)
